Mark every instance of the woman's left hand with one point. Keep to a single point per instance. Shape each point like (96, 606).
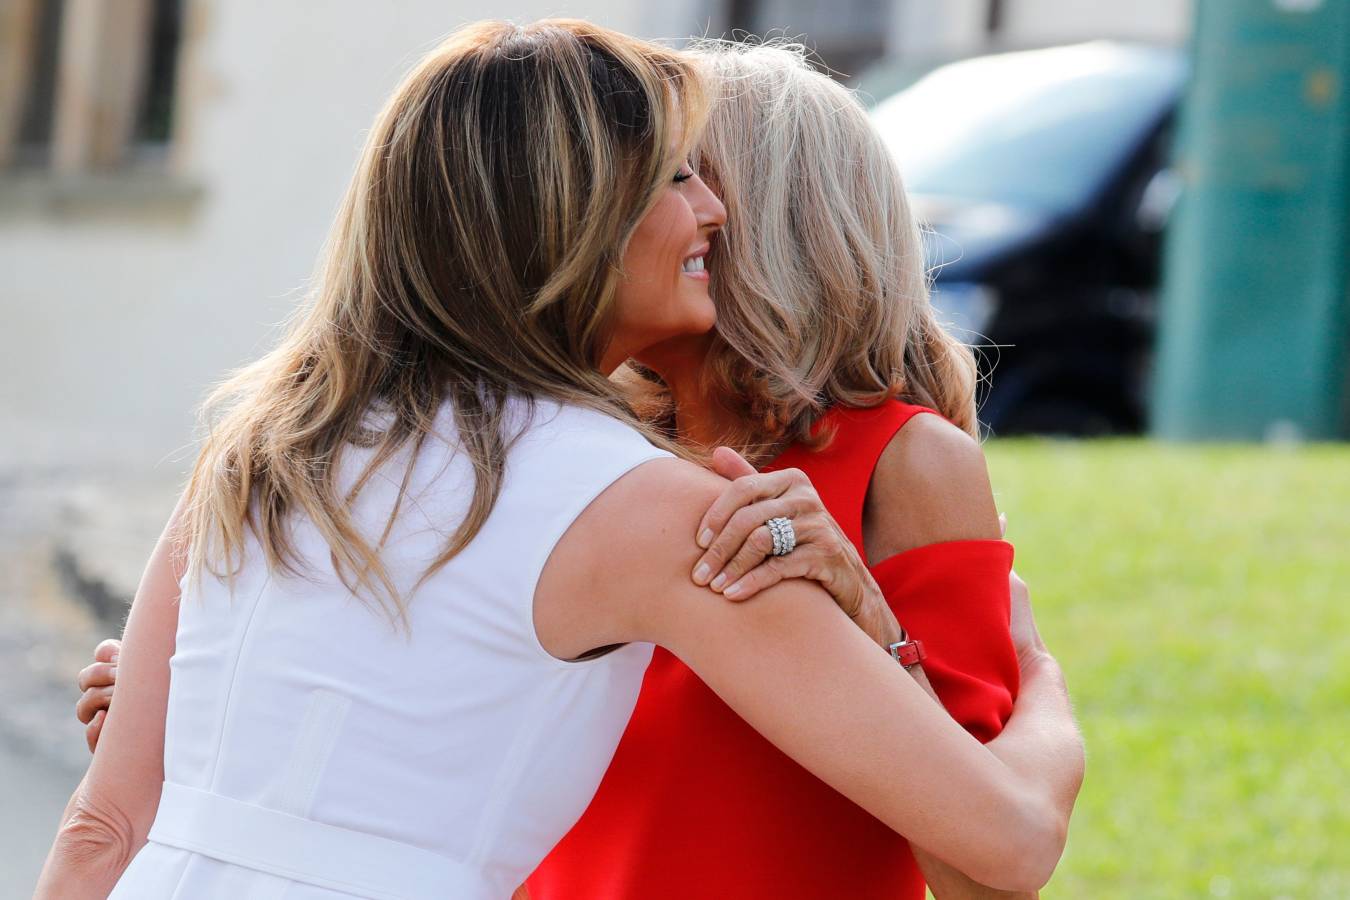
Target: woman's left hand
(738, 558)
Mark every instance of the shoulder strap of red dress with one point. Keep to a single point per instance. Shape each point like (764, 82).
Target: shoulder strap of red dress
(842, 469)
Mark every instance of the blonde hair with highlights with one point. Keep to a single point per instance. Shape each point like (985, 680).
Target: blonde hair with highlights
(475, 258)
(819, 275)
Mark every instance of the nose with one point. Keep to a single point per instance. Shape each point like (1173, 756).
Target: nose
(708, 209)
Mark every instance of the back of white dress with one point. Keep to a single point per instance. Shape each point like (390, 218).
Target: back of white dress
(315, 751)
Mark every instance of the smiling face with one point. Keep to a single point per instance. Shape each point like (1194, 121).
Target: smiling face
(664, 293)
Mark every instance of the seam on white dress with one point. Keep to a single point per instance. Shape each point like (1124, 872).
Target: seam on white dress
(227, 715)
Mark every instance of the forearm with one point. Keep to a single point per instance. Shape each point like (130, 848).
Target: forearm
(946, 883)
(113, 809)
(1041, 743)
(93, 846)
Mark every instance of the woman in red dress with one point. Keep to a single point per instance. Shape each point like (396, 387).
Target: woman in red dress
(826, 370)
(825, 358)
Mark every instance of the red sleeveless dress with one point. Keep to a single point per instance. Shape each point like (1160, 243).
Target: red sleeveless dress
(696, 804)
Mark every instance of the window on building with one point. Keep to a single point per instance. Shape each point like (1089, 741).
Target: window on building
(154, 118)
(92, 84)
(37, 102)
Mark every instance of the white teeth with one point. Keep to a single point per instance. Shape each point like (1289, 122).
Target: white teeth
(693, 265)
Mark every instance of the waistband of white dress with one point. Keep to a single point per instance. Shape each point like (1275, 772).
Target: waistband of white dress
(307, 851)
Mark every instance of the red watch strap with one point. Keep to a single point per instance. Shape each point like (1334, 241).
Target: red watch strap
(908, 653)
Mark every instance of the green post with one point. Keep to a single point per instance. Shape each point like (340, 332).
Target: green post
(1255, 326)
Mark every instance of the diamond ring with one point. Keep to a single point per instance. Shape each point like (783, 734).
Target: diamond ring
(784, 538)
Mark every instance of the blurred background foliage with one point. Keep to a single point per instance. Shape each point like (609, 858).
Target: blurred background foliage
(1196, 598)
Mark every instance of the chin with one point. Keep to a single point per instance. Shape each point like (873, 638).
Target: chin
(706, 323)
(702, 317)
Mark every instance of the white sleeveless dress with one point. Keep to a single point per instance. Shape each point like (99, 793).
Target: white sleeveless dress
(313, 751)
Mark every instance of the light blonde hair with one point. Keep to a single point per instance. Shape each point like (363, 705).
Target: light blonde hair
(819, 275)
(475, 257)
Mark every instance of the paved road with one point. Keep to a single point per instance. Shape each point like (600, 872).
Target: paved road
(33, 792)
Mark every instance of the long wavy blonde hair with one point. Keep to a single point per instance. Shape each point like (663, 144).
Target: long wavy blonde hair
(475, 257)
(819, 275)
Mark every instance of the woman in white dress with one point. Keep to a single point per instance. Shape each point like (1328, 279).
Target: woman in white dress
(426, 547)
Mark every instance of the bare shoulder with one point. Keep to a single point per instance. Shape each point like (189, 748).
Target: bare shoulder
(931, 484)
(624, 572)
(657, 505)
(632, 545)
(669, 483)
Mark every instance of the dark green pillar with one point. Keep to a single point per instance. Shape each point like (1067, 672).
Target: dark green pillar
(1255, 324)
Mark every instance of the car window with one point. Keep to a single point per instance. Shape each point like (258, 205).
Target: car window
(1039, 128)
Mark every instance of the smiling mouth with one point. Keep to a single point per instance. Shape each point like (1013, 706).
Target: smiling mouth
(694, 266)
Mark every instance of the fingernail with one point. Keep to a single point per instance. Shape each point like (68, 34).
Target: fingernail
(701, 573)
(705, 538)
(719, 581)
(733, 591)
(112, 672)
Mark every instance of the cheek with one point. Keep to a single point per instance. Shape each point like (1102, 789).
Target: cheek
(660, 241)
(655, 300)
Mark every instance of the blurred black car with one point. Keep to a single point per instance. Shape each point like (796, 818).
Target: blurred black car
(1043, 177)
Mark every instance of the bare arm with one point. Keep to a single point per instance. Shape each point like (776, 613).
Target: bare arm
(932, 485)
(945, 881)
(110, 813)
(792, 665)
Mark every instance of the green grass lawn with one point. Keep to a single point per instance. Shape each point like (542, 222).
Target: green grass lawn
(1199, 601)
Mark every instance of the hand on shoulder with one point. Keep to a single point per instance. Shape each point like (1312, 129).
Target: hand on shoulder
(622, 572)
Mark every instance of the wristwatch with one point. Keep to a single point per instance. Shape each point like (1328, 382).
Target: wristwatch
(906, 651)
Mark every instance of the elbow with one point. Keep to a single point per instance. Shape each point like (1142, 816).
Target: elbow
(1034, 829)
(94, 844)
(1047, 832)
(1017, 849)
(1032, 845)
